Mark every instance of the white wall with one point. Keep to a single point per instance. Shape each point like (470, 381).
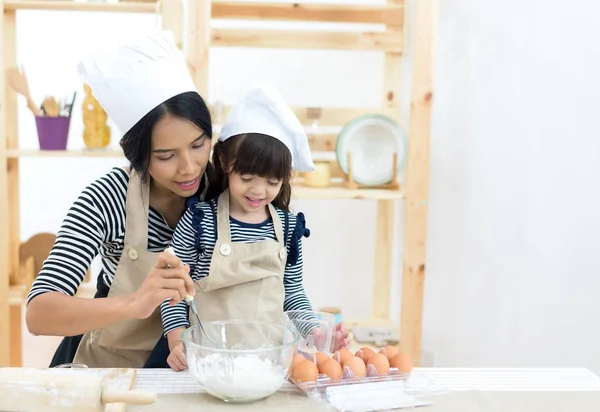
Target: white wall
(515, 176)
(514, 199)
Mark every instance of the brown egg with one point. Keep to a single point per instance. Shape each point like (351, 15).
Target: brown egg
(389, 351)
(297, 359)
(342, 355)
(356, 366)
(365, 354)
(402, 362)
(331, 368)
(306, 371)
(380, 363)
(321, 358)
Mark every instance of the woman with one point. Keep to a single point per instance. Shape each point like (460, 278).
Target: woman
(128, 215)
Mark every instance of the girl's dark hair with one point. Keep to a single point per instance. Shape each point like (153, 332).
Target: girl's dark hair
(137, 142)
(254, 154)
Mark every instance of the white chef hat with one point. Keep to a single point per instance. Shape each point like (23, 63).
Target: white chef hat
(263, 110)
(132, 78)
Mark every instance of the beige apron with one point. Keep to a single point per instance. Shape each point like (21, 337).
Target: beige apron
(127, 343)
(245, 280)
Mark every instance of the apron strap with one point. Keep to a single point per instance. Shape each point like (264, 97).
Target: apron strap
(277, 224)
(136, 223)
(223, 229)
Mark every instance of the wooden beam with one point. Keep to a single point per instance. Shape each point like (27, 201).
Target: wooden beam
(384, 256)
(392, 75)
(305, 39)
(121, 7)
(4, 220)
(198, 43)
(16, 334)
(9, 50)
(417, 180)
(332, 116)
(384, 240)
(172, 19)
(390, 14)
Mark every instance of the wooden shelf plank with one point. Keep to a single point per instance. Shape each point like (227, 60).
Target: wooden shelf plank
(337, 13)
(300, 191)
(333, 116)
(335, 191)
(383, 14)
(62, 5)
(305, 39)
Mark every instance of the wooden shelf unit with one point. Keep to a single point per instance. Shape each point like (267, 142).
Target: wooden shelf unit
(198, 38)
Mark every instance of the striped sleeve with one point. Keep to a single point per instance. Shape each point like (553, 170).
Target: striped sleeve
(84, 229)
(295, 296)
(176, 316)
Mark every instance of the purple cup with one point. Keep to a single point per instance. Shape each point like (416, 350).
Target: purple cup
(53, 132)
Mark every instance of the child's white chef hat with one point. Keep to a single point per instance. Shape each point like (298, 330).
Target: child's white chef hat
(263, 110)
(132, 78)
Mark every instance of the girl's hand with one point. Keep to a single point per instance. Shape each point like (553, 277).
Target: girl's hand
(168, 279)
(342, 338)
(176, 359)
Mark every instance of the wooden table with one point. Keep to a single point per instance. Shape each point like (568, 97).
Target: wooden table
(467, 390)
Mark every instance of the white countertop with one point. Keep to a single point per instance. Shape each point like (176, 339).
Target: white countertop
(464, 390)
(450, 379)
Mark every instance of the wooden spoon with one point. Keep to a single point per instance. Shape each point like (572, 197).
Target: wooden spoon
(18, 81)
(51, 107)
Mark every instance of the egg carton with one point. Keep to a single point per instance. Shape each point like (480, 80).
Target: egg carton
(324, 381)
(413, 383)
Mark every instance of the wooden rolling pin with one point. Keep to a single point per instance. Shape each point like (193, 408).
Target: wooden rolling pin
(53, 390)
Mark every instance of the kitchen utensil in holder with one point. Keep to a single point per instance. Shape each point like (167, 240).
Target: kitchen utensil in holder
(393, 185)
(53, 132)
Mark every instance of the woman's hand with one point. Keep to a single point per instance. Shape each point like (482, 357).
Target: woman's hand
(168, 279)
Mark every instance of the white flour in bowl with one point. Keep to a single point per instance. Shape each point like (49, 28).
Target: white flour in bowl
(252, 377)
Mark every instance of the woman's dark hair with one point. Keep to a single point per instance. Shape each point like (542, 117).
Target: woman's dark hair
(137, 142)
(254, 154)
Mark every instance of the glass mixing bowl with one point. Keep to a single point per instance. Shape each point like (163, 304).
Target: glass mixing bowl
(249, 360)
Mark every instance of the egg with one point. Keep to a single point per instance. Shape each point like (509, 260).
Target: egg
(365, 353)
(381, 364)
(402, 362)
(356, 366)
(389, 351)
(320, 358)
(342, 355)
(331, 368)
(297, 359)
(305, 371)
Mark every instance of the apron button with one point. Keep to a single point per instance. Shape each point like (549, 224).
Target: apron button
(282, 252)
(225, 250)
(133, 254)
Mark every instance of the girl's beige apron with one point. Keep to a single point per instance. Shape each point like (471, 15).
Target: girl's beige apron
(245, 280)
(128, 343)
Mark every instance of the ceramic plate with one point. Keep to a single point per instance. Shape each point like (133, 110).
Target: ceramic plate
(372, 140)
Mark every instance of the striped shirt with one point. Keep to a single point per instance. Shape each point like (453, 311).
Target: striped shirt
(198, 255)
(95, 225)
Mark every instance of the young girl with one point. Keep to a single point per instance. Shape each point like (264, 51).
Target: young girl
(244, 248)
